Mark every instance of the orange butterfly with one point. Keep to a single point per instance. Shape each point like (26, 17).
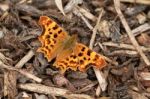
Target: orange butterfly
(69, 54)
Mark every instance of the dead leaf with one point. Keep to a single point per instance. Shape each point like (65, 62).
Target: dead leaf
(60, 6)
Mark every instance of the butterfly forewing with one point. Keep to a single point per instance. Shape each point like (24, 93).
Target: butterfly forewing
(52, 38)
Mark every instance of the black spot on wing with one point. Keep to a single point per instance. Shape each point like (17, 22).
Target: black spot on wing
(50, 33)
(80, 54)
(84, 58)
(83, 49)
(55, 27)
(81, 62)
(51, 45)
(89, 52)
(55, 35)
(59, 31)
(74, 57)
(72, 62)
(54, 41)
(67, 59)
(47, 36)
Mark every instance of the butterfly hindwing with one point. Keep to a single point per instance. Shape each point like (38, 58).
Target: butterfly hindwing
(81, 57)
(88, 57)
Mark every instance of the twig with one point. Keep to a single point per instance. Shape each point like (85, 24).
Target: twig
(26, 58)
(124, 52)
(22, 1)
(98, 91)
(128, 30)
(142, 28)
(138, 30)
(87, 14)
(126, 46)
(86, 88)
(147, 2)
(52, 91)
(95, 30)
(28, 75)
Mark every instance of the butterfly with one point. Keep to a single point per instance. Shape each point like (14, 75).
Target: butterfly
(67, 52)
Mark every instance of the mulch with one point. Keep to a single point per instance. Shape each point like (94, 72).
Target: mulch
(120, 33)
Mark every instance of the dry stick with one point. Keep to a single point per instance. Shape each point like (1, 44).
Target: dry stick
(124, 52)
(25, 59)
(95, 30)
(86, 88)
(2, 65)
(126, 46)
(130, 34)
(22, 1)
(87, 14)
(98, 91)
(39, 88)
(138, 30)
(147, 2)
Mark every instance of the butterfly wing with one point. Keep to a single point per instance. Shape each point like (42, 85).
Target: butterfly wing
(66, 60)
(88, 57)
(52, 38)
(80, 58)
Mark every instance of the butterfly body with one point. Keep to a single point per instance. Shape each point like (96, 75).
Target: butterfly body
(69, 54)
